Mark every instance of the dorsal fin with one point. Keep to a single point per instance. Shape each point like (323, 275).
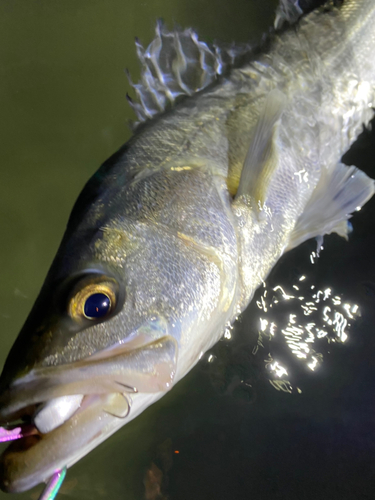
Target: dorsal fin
(177, 63)
(289, 11)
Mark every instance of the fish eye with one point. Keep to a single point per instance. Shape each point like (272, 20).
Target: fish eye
(97, 305)
(93, 298)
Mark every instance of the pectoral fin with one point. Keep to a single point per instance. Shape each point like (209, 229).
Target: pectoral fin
(261, 158)
(341, 191)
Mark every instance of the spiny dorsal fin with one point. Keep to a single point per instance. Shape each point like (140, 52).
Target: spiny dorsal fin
(177, 63)
(289, 11)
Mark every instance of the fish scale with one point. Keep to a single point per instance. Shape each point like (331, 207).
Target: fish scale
(177, 230)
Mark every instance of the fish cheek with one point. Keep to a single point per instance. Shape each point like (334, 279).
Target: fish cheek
(56, 321)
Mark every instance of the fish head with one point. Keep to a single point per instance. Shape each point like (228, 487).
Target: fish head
(121, 296)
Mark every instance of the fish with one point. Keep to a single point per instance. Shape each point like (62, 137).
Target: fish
(234, 161)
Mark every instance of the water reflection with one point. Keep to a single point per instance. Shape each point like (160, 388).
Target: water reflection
(301, 316)
(59, 122)
(295, 322)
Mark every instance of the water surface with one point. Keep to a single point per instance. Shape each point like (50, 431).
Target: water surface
(224, 432)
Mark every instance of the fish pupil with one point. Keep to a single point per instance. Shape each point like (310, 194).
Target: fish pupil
(97, 305)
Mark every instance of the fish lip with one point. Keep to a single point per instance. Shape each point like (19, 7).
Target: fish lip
(67, 444)
(14, 409)
(21, 445)
(149, 366)
(26, 414)
(12, 455)
(102, 410)
(10, 411)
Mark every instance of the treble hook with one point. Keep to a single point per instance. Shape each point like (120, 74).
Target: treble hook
(128, 401)
(129, 388)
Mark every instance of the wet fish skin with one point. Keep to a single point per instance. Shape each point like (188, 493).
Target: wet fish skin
(159, 220)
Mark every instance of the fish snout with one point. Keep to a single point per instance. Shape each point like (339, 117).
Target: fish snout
(66, 410)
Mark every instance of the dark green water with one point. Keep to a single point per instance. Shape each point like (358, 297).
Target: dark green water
(63, 112)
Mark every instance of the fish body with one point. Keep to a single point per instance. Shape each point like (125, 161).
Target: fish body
(169, 240)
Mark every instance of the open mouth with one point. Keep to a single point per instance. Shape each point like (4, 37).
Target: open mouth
(58, 434)
(27, 435)
(41, 419)
(65, 411)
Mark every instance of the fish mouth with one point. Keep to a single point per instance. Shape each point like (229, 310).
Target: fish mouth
(35, 456)
(67, 410)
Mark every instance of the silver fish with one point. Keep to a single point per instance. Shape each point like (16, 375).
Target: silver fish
(169, 240)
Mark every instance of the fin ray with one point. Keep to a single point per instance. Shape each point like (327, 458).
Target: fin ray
(289, 11)
(177, 63)
(260, 161)
(340, 192)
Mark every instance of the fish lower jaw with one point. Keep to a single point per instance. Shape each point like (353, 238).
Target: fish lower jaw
(42, 418)
(75, 425)
(34, 459)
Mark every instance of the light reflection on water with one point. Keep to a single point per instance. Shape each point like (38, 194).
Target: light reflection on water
(300, 316)
(63, 112)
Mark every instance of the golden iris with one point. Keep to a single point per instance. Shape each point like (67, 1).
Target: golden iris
(93, 298)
